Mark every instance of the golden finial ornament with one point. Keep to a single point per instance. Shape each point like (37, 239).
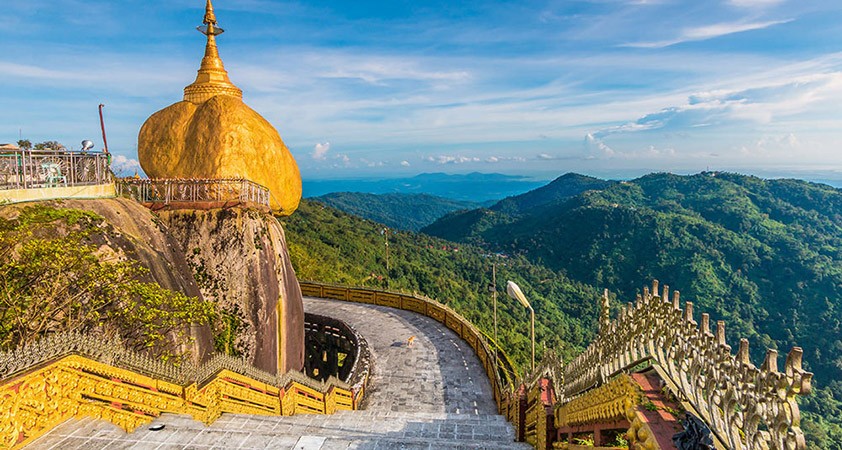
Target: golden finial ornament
(212, 79)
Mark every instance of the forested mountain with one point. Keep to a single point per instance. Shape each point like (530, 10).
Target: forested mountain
(402, 211)
(763, 255)
(466, 225)
(329, 245)
(560, 189)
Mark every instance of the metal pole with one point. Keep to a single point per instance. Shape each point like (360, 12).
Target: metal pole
(102, 125)
(17, 162)
(494, 298)
(386, 233)
(25, 164)
(532, 312)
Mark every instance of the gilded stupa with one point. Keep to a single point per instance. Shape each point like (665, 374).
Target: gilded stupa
(213, 134)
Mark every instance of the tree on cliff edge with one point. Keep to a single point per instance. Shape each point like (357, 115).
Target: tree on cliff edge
(52, 280)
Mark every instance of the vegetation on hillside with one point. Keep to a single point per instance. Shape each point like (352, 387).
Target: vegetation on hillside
(52, 279)
(560, 189)
(763, 255)
(402, 211)
(469, 225)
(329, 245)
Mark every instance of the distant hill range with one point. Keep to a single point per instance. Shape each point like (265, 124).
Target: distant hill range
(763, 255)
(472, 187)
(402, 211)
(469, 225)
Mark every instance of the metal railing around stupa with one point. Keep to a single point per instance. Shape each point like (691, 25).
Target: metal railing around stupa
(34, 169)
(165, 191)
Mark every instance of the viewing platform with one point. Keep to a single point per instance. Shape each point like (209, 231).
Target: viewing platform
(32, 175)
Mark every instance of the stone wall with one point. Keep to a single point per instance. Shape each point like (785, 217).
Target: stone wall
(240, 259)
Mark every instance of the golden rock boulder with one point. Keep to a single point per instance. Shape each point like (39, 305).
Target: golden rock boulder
(221, 137)
(213, 134)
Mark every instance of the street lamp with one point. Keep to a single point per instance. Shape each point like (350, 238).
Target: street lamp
(514, 292)
(492, 288)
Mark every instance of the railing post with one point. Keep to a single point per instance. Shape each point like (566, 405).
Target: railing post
(23, 166)
(17, 163)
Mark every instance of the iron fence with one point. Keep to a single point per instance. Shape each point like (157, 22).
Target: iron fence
(31, 169)
(198, 190)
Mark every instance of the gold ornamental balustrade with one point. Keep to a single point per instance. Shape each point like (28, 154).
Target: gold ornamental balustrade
(75, 375)
(746, 407)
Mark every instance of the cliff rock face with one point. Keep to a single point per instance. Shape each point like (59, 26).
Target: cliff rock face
(131, 231)
(241, 260)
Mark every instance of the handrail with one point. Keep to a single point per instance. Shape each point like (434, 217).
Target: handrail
(53, 347)
(36, 169)
(194, 190)
(74, 375)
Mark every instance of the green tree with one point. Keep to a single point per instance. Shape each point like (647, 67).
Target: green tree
(52, 279)
(49, 145)
(25, 144)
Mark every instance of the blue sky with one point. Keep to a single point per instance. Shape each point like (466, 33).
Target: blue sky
(379, 89)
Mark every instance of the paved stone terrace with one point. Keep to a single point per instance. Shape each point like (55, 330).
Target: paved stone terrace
(431, 395)
(439, 373)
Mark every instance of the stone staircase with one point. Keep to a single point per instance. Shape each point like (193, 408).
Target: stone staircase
(344, 430)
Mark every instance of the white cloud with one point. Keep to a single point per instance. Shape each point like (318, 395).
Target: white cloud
(595, 148)
(122, 165)
(545, 156)
(448, 159)
(768, 146)
(405, 163)
(492, 159)
(708, 32)
(762, 104)
(320, 151)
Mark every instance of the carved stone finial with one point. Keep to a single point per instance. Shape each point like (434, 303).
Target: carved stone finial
(604, 309)
(770, 364)
(720, 332)
(688, 311)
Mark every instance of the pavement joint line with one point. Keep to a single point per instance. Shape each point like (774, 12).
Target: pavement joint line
(65, 438)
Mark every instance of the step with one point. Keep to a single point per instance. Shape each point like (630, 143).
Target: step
(363, 429)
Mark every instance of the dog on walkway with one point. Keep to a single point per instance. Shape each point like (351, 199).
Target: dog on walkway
(410, 341)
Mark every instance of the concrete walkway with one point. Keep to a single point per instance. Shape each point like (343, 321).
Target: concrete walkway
(431, 395)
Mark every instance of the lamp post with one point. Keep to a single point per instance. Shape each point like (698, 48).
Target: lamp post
(385, 233)
(514, 292)
(492, 288)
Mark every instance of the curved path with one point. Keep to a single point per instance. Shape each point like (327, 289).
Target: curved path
(439, 373)
(431, 395)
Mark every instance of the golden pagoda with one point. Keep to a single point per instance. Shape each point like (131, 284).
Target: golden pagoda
(213, 134)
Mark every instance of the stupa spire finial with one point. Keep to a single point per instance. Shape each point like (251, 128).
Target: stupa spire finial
(212, 78)
(210, 18)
